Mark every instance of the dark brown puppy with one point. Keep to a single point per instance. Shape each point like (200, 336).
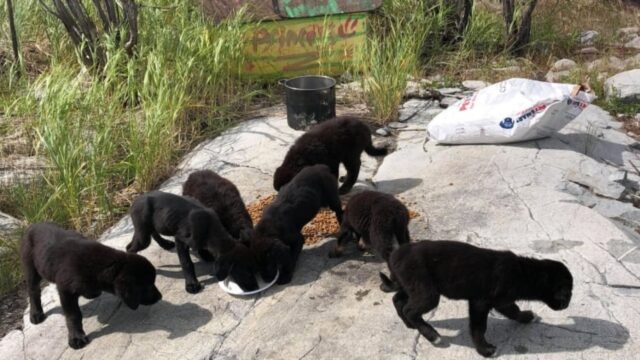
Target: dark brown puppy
(221, 195)
(488, 279)
(82, 267)
(277, 239)
(335, 141)
(379, 220)
(195, 227)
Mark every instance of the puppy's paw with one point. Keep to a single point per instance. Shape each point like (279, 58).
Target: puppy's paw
(78, 342)
(486, 351)
(37, 318)
(526, 317)
(132, 248)
(194, 288)
(167, 245)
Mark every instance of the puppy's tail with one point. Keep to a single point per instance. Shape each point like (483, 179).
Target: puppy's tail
(388, 285)
(374, 151)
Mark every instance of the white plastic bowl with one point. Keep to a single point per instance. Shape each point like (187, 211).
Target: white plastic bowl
(232, 288)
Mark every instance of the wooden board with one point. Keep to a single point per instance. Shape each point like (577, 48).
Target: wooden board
(285, 48)
(307, 8)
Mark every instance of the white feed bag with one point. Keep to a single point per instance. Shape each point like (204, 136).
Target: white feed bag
(509, 111)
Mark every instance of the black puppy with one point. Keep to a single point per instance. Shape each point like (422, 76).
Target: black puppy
(195, 227)
(335, 141)
(488, 279)
(277, 239)
(82, 267)
(378, 219)
(221, 195)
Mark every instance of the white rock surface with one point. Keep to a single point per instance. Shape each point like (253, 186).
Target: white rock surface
(505, 197)
(625, 85)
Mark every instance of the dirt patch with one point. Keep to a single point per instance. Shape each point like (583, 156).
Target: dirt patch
(12, 307)
(321, 227)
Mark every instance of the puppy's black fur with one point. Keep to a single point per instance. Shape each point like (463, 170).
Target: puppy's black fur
(488, 279)
(379, 220)
(195, 227)
(221, 195)
(277, 238)
(81, 267)
(335, 141)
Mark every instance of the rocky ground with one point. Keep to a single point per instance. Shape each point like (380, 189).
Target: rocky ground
(567, 197)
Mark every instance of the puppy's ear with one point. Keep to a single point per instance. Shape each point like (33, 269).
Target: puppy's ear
(245, 236)
(126, 289)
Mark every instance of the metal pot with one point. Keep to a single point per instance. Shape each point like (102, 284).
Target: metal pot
(310, 99)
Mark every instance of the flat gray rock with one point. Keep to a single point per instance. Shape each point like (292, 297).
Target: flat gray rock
(624, 86)
(475, 84)
(513, 197)
(447, 101)
(449, 91)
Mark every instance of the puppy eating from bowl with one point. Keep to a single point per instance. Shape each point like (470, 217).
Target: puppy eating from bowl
(277, 239)
(379, 220)
(82, 267)
(488, 279)
(194, 227)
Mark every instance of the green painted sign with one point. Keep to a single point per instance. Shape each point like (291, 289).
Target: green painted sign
(308, 8)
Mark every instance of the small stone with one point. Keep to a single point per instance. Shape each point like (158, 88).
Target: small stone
(605, 64)
(633, 43)
(346, 77)
(557, 76)
(588, 37)
(412, 90)
(475, 84)
(8, 225)
(382, 132)
(448, 101)
(563, 64)
(449, 91)
(627, 31)
(589, 51)
(397, 125)
(624, 86)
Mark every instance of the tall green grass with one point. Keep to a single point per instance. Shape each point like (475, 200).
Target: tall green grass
(395, 43)
(124, 126)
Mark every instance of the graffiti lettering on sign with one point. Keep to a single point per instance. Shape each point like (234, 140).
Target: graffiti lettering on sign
(291, 46)
(284, 36)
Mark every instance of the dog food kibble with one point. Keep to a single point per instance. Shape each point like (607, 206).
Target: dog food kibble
(322, 226)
